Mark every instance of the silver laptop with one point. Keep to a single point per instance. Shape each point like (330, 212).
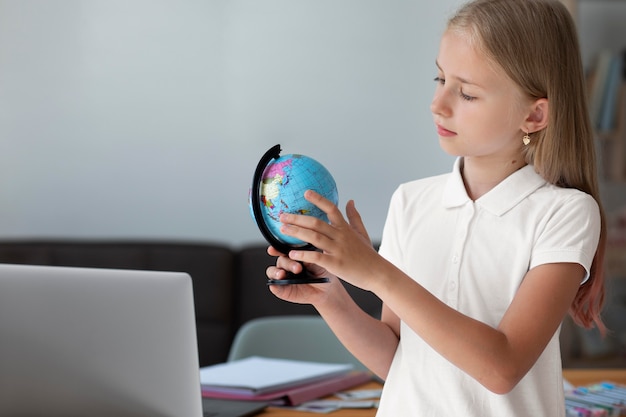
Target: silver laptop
(97, 342)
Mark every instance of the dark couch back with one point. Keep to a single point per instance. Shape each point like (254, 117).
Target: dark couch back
(210, 266)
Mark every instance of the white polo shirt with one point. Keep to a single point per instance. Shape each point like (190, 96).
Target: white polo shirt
(473, 256)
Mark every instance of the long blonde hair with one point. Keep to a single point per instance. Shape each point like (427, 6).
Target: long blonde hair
(536, 43)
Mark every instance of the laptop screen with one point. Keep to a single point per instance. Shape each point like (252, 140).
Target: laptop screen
(97, 342)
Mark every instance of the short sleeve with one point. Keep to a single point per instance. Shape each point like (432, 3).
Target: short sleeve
(571, 234)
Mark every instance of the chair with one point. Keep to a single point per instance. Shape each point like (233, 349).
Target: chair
(291, 337)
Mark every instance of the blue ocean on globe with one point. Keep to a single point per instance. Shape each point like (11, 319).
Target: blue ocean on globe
(284, 182)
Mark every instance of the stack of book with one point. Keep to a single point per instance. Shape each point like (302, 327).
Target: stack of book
(605, 399)
(279, 381)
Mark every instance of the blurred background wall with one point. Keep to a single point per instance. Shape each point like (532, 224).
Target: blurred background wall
(146, 118)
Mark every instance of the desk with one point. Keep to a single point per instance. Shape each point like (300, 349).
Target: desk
(369, 412)
(579, 377)
(574, 376)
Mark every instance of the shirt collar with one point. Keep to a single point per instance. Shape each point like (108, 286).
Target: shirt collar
(503, 197)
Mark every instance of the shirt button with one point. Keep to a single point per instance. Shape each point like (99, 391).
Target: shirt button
(455, 258)
(452, 286)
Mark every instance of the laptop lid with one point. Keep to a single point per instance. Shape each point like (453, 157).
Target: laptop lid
(97, 342)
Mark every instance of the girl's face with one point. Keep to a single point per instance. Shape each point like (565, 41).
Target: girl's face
(479, 111)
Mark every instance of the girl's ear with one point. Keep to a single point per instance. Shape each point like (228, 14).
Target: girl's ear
(538, 117)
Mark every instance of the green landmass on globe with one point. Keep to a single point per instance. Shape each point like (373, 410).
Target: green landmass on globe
(282, 188)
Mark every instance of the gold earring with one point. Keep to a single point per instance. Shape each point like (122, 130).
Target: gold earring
(526, 139)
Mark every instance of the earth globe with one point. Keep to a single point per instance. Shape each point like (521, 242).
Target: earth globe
(278, 187)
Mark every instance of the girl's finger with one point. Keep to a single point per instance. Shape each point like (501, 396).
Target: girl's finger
(327, 206)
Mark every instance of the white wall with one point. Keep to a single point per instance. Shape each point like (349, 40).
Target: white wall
(146, 118)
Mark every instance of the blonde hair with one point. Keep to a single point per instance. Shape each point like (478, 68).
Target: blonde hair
(535, 43)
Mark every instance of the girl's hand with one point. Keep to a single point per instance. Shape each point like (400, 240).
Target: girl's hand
(298, 293)
(346, 250)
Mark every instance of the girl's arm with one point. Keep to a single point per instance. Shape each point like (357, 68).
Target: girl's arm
(497, 357)
(372, 341)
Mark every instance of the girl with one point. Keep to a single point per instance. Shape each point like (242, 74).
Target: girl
(477, 268)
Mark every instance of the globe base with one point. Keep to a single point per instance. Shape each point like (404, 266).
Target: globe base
(301, 278)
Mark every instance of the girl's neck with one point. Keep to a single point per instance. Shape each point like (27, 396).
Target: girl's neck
(480, 176)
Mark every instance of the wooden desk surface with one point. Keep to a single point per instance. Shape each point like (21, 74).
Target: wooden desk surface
(576, 377)
(579, 377)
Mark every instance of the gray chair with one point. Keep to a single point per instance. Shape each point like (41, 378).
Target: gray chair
(305, 337)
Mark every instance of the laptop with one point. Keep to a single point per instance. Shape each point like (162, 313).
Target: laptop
(97, 342)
